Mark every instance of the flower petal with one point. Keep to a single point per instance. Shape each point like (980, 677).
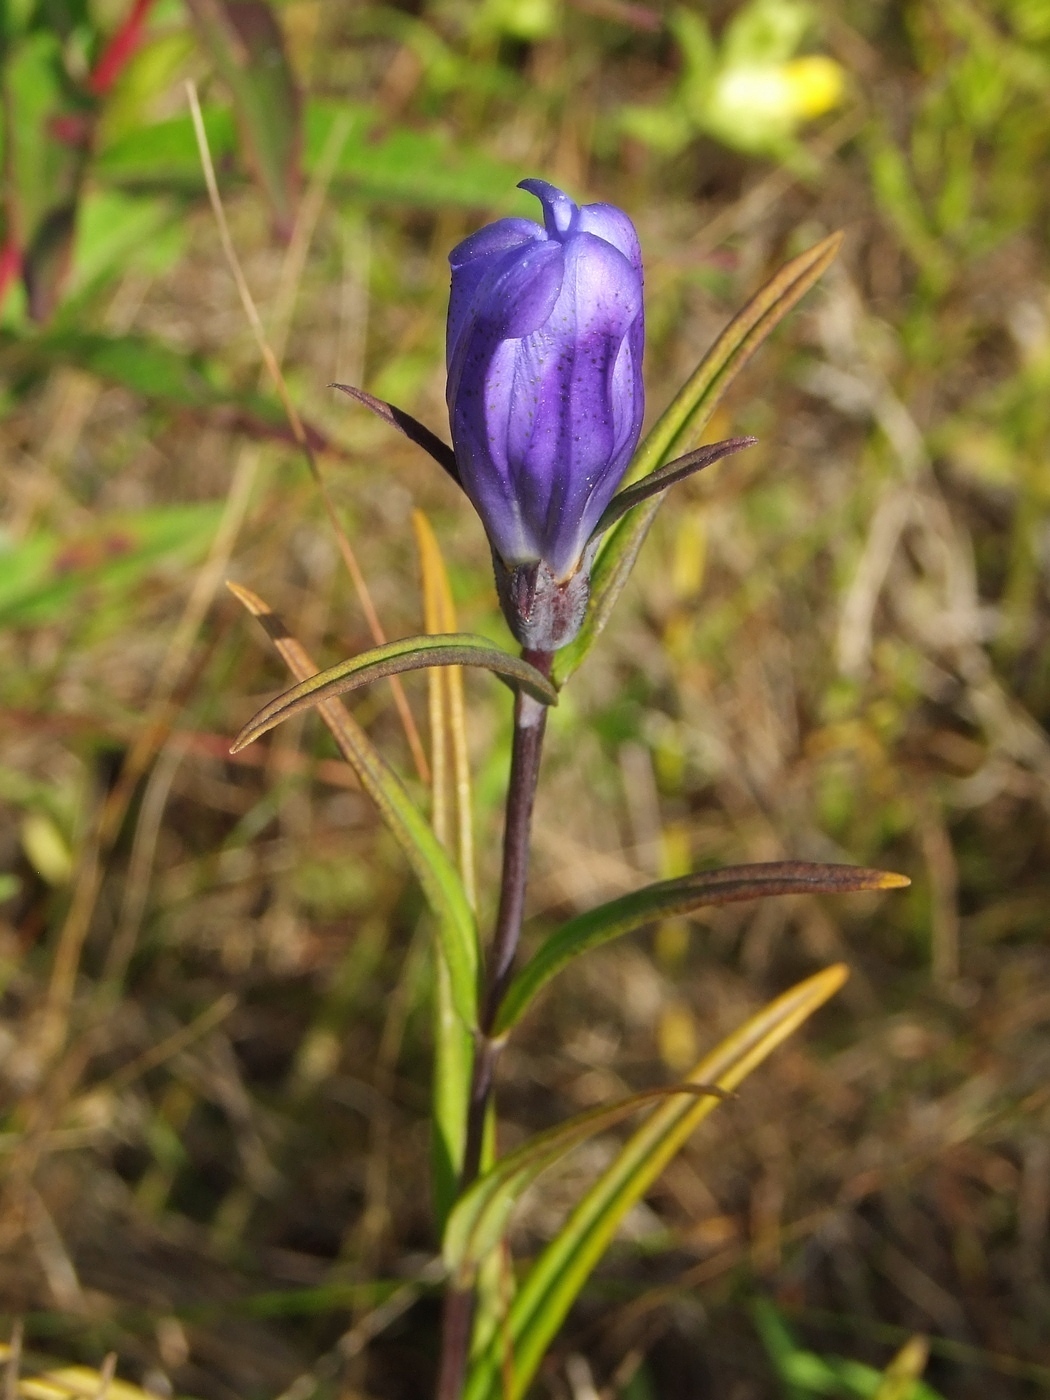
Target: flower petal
(612, 224)
(473, 262)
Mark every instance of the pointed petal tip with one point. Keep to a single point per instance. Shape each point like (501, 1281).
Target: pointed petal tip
(559, 209)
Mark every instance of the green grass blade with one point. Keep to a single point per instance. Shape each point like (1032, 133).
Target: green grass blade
(407, 654)
(667, 898)
(681, 423)
(453, 1058)
(555, 1279)
(902, 1379)
(442, 886)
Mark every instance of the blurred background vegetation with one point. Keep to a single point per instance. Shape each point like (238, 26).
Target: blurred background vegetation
(213, 1047)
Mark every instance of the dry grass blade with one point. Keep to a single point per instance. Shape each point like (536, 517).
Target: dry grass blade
(13, 1361)
(295, 423)
(456, 927)
(448, 706)
(452, 819)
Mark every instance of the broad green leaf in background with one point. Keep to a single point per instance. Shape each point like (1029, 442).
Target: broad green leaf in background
(245, 42)
(48, 577)
(681, 423)
(401, 165)
(429, 166)
(407, 654)
(553, 1282)
(168, 377)
(441, 884)
(479, 1220)
(706, 889)
(116, 230)
(164, 154)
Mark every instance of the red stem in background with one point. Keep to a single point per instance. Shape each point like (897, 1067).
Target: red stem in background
(10, 266)
(118, 52)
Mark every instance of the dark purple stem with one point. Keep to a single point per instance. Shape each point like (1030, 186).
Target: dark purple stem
(530, 722)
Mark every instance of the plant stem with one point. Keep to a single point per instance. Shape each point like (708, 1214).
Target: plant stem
(530, 722)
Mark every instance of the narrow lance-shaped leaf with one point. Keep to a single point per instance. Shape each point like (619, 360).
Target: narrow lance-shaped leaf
(555, 1279)
(687, 416)
(412, 428)
(707, 888)
(408, 654)
(665, 477)
(167, 377)
(442, 887)
(479, 1219)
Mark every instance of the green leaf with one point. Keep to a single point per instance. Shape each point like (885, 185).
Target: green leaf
(705, 889)
(684, 419)
(403, 165)
(805, 1373)
(441, 884)
(164, 154)
(479, 1220)
(246, 45)
(555, 1279)
(165, 376)
(453, 1061)
(47, 578)
(407, 654)
(433, 167)
(117, 230)
(902, 1379)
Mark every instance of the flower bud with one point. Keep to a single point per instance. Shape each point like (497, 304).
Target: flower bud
(545, 397)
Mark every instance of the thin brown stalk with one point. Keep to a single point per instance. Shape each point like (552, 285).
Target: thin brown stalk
(273, 368)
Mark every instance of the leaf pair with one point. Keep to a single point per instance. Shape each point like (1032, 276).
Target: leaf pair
(655, 484)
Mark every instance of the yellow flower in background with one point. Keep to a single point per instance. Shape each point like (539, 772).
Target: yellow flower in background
(817, 85)
(752, 105)
(751, 91)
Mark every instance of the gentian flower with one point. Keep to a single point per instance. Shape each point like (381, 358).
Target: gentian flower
(545, 396)
(545, 400)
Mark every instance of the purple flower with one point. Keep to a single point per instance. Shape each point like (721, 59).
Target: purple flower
(545, 397)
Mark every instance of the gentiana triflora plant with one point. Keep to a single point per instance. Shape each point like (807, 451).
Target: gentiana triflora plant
(546, 332)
